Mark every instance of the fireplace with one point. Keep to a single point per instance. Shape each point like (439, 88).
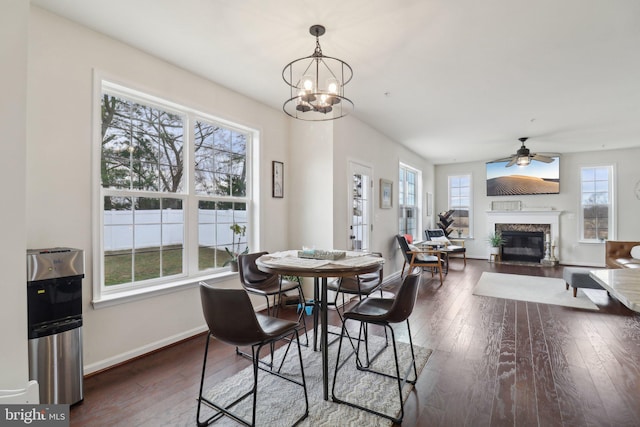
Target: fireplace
(525, 246)
(545, 221)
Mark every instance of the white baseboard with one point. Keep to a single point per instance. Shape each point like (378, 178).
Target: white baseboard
(582, 264)
(391, 277)
(140, 351)
(123, 357)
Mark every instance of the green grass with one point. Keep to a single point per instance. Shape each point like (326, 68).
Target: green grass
(147, 263)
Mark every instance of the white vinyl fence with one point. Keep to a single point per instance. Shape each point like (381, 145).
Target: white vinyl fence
(166, 227)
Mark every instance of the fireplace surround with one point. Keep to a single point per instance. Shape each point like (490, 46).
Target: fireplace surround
(544, 221)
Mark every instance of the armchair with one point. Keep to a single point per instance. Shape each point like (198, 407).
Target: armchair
(415, 257)
(455, 247)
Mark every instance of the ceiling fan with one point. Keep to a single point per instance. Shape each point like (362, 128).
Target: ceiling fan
(523, 156)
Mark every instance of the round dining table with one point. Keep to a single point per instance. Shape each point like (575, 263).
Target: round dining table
(299, 263)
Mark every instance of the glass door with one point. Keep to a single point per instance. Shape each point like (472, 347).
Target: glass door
(360, 203)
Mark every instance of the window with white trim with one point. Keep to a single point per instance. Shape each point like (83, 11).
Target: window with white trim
(174, 185)
(409, 201)
(596, 217)
(460, 203)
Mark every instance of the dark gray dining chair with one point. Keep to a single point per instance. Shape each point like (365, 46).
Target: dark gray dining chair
(361, 285)
(231, 319)
(383, 312)
(269, 285)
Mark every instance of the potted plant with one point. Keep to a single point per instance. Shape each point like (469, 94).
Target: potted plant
(238, 230)
(495, 241)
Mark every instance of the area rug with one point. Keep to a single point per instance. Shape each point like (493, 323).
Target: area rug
(545, 290)
(280, 402)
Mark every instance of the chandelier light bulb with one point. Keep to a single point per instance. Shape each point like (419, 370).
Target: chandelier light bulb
(307, 83)
(332, 86)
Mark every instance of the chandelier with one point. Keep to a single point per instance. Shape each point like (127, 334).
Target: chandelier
(316, 85)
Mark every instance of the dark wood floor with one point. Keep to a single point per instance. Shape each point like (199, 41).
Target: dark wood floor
(495, 363)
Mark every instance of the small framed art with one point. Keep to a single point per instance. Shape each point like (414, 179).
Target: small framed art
(386, 194)
(277, 173)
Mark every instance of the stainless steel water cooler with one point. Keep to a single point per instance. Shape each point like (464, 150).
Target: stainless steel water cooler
(54, 301)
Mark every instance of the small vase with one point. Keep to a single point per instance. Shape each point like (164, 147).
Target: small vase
(494, 250)
(233, 265)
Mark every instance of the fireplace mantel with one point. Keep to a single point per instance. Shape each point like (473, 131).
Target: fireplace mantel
(550, 217)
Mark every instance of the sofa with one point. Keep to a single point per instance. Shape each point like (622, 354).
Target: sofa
(618, 254)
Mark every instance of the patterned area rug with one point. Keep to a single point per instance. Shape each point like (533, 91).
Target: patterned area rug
(280, 402)
(545, 290)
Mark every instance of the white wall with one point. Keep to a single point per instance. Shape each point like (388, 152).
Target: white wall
(309, 185)
(14, 18)
(571, 251)
(355, 141)
(62, 59)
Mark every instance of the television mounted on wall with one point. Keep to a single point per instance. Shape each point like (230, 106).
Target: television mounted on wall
(535, 178)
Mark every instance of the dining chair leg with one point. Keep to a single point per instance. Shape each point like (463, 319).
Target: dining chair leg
(255, 355)
(401, 379)
(316, 308)
(303, 310)
(220, 411)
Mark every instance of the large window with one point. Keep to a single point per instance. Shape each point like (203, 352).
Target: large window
(596, 203)
(164, 218)
(460, 204)
(409, 201)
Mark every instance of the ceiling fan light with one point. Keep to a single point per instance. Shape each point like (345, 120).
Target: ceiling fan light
(523, 161)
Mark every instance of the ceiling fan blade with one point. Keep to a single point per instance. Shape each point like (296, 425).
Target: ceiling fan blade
(542, 158)
(504, 159)
(512, 162)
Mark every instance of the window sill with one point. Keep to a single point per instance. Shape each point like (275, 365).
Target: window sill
(592, 242)
(131, 295)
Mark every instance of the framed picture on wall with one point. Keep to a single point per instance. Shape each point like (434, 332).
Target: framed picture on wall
(277, 174)
(386, 194)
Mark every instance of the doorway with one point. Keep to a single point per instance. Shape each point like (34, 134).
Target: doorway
(359, 206)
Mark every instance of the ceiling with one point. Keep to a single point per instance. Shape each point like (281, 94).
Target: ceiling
(453, 80)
